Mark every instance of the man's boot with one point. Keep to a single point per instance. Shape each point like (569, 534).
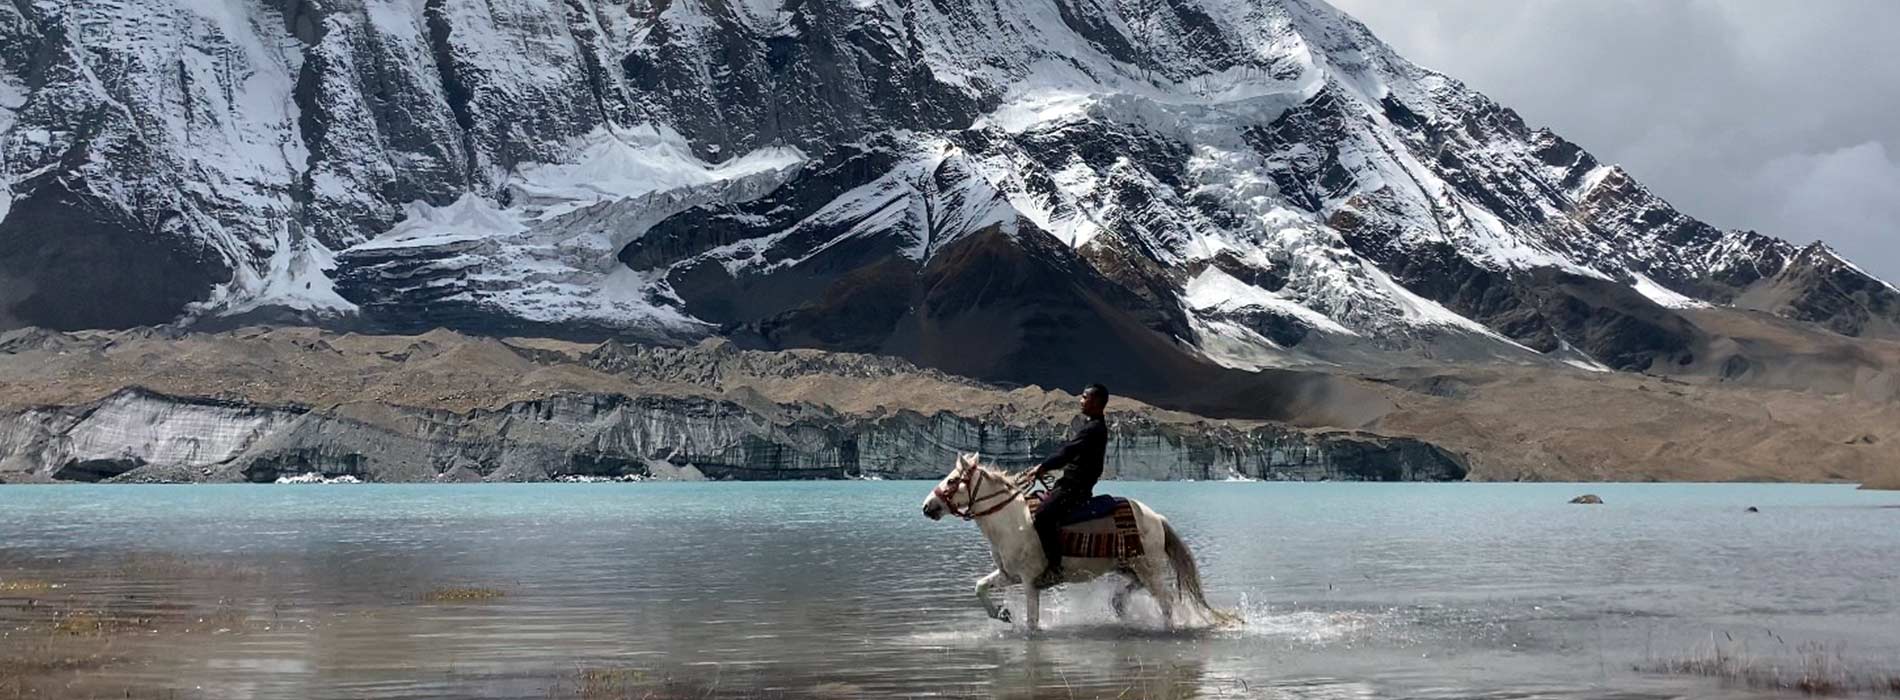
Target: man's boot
(1050, 578)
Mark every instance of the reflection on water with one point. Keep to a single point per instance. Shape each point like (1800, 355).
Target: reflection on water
(843, 590)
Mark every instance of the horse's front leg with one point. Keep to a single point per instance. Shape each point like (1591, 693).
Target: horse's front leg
(1032, 601)
(1120, 601)
(983, 585)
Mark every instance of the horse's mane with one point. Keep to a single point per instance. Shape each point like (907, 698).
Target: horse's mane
(990, 469)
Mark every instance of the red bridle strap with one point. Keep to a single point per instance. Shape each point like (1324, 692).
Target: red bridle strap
(970, 477)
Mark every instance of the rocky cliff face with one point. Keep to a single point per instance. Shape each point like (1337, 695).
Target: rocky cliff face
(139, 436)
(264, 404)
(1201, 184)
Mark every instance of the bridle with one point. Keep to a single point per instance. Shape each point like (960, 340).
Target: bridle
(969, 476)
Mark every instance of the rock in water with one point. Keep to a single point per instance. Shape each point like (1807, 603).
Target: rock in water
(1588, 499)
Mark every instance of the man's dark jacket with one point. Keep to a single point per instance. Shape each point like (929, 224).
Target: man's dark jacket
(1082, 457)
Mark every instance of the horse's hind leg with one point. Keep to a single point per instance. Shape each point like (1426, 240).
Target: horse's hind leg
(1120, 601)
(1148, 574)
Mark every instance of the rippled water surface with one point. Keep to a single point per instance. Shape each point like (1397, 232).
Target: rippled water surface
(845, 590)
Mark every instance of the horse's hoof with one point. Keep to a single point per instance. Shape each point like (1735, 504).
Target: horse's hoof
(1003, 615)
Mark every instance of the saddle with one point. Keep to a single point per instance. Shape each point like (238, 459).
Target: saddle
(1103, 527)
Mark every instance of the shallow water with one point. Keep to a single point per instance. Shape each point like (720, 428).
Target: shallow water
(845, 590)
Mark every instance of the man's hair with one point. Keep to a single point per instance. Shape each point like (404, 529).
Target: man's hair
(1099, 390)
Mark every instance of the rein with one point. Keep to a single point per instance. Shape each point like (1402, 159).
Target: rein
(970, 477)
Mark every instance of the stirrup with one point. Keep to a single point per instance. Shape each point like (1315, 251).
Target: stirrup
(1050, 578)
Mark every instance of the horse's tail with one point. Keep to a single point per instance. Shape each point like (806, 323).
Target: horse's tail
(1187, 578)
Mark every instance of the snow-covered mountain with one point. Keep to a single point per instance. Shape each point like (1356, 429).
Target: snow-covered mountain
(1032, 190)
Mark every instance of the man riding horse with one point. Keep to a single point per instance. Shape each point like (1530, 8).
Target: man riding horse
(1081, 462)
(1128, 539)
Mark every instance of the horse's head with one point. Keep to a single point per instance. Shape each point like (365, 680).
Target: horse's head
(949, 494)
(970, 491)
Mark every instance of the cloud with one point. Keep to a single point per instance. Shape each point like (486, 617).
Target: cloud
(1848, 197)
(1744, 113)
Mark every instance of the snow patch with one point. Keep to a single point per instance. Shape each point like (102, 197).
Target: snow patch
(244, 139)
(395, 17)
(1234, 346)
(1037, 108)
(1418, 310)
(1491, 239)
(766, 17)
(1072, 212)
(1594, 178)
(549, 256)
(1080, 183)
(1575, 357)
(619, 163)
(229, 17)
(1851, 266)
(471, 218)
(933, 199)
(1215, 290)
(316, 478)
(1663, 295)
(591, 479)
(12, 97)
(297, 277)
(622, 297)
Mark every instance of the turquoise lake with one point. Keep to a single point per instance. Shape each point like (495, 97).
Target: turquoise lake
(843, 589)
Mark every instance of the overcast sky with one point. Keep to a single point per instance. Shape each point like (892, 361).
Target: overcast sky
(1781, 116)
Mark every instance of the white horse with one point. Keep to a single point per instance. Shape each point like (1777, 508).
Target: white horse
(998, 504)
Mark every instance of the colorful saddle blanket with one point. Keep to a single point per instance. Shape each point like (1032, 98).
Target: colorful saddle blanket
(1102, 528)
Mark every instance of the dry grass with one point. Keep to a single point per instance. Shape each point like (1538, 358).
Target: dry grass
(19, 586)
(44, 659)
(1818, 670)
(224, 618)
(609, 682)
(77, 618)
(461, 594)
(20, 671)
(97, 623)
(56, 647)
